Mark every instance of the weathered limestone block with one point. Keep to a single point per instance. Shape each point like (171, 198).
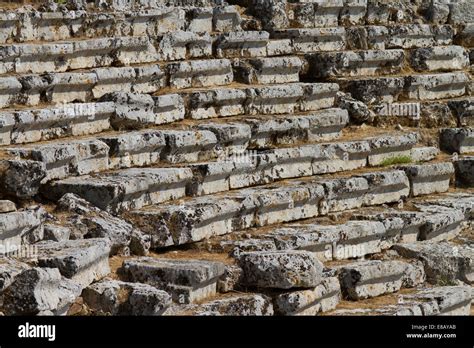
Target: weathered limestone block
(134, 149)
(189, 146)
(446, 85)
(429, 178)
(279, 47)
(199, 20)
(419, 35)
(314, 40)
(465, 35)
(366, 37)
(83, 261)
(336, 242)
(358, 111)
(235, 305)
(7, 206)
(342, 156)
(135, 110)
(226, 18)
(386, 187)
(268, 70)
(353, 12)
(62, 160)
(200, 73)
(233, 136)
(231, 279)
(120, 298)
(355, 63)
(315, 14)
(457, 200)
(186, 280)
(9, 89)
(464, 168)
(343, 194)
(39, 290)
(424, 154)
(69, 87)
(281, 269)
(21, 178)
(442, 58)
(212, 103)
(441, 223)
(458, 140)
(322, 298)
(21, 227)
(272, 13)
(126, 189)
(32, 125)
(377, 89)
(366, 279)
(242, 44)
(463, 110)
(181, 45)
(322, 125)
(461, 12)
(414, 274)
(56, 233)
(443, 262)
(386, 147)
(450, 300)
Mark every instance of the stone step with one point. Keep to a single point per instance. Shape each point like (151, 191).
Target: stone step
(260, 100)
(186, 280)
(457, 140)
(200, 73)
(463, 109)
(57, 26)
(427, 179)
(413, 87)
(441, 58)
(198, 218)
(268, 70)
(226, 173)
(311, 40)
(443, 300)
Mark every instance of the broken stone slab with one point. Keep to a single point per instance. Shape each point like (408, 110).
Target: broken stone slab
(38, 290)
(366, 279)
(83, 260)
(322, 298)
(56, 233)
(334, 242)
(281, 269)
(465, 35)
(200, 73)
(355, 63)
(134, 149)
(21, 178)
(140, 243)
(90, 222)
(444, 262)
(186, 280)
(231, 279)
(242, 44)
(32, 125)
(7, 206)
(189, 146)
(62, 160)
(464, 168)
(233, 136)
(414, 274)
(125, 189)
(268, 70)
(456, 200)
(375, 89)
(457, 140)
(386, 147)
(429, 178)
(226, 19)
(120, 298)
(235, 305)
(442, 58)
(134, 110)
(450, 300)
(436, 86)
(9, 269)
(358, 111)
(309, 40)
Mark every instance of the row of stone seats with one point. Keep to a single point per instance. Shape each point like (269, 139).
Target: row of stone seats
(309, 14)
(56, 26)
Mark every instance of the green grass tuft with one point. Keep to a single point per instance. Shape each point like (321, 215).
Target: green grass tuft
(396, 160)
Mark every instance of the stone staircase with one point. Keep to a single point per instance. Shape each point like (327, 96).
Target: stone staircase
(248, 157)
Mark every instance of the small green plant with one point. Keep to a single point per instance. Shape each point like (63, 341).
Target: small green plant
(60, 2)
(445, 281)
(395, 160)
